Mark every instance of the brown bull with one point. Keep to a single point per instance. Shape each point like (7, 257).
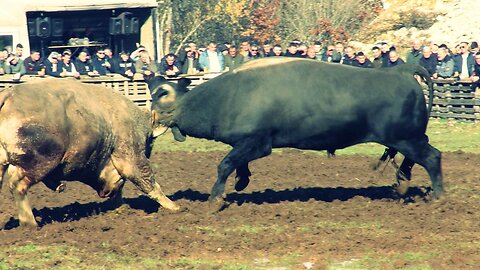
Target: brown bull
(60, 129)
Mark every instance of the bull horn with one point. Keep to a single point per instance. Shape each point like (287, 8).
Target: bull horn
(158, 195)
(170, 96)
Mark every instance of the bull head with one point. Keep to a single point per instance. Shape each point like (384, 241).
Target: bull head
(165, 95)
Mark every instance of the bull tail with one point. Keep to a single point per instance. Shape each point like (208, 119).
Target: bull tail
(423, 74)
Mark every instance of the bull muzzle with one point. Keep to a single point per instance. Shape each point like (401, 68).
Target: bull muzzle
(109, 192)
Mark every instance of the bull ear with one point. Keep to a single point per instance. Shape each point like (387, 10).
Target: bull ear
(183, 83)
(154, 82)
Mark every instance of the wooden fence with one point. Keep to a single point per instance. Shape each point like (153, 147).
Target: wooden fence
(453, 99)
(136, 89)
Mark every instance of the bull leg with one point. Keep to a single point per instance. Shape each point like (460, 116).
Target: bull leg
(404, 174)
(421, 152)
(141, 175)
(389, 154)
(247, 150)
(3, 170)
(242, 178)
(19, 185)
(112, 183)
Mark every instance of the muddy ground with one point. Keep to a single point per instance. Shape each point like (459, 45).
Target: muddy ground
(299, 207)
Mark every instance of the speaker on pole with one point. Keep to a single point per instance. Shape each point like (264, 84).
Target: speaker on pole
(43, 27)
(115, 26)
(135, 25)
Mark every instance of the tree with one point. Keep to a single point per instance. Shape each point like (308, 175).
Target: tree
(325, 19)
(263, 21)
(201, 21)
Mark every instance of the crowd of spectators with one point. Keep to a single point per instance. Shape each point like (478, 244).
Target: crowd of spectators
(461, 62)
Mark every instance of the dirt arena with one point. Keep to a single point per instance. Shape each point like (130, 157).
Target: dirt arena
(300, 211)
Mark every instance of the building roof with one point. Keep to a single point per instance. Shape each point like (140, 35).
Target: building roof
(62, 5)
(14, 15)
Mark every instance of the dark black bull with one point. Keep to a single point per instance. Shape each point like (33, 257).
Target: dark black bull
(274, 103)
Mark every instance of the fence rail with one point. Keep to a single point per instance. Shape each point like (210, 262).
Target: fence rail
(136, 90)
(453, 99)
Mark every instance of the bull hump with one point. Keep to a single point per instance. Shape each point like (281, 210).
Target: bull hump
(266, 62)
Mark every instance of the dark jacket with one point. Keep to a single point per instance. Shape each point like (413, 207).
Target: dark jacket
(53, 69)
(366, 64)
(458, 59)
(83, 67)
(164, 66)
(121, 67)
(99, 65)
(348, 61)
(233, 62)
(414, 56)
(70, 67)
(194, 64)
(396, 63)
(33, 67)
(430, 64)
(377, 62)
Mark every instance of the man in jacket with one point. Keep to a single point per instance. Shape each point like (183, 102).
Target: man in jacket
(211, 60)
(445, 65)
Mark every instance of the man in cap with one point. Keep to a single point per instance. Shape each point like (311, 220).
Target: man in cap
(124, 65)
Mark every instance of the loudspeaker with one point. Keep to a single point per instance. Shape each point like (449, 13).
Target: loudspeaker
(57, 27)
(32, 27)
(43, 27)
(135, 25)
(127, 26)
(115, 26)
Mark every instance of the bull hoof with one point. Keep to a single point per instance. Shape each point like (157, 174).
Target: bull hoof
(28, 223)
(438, 193)
(402, 187)
(216, 204)
(241, 183)
(171, 206)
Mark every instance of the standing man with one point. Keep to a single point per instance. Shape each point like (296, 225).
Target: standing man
(211, 60)
(362, 61)
(233, 59)
(393, 59)
(349, 56)
(428, 60)
(33, 64)
(415, 52)
(377, 57)
(100, 62)
(84, 67)
(124, 65)
(169, 66)
(464, 61)
(445, 65)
